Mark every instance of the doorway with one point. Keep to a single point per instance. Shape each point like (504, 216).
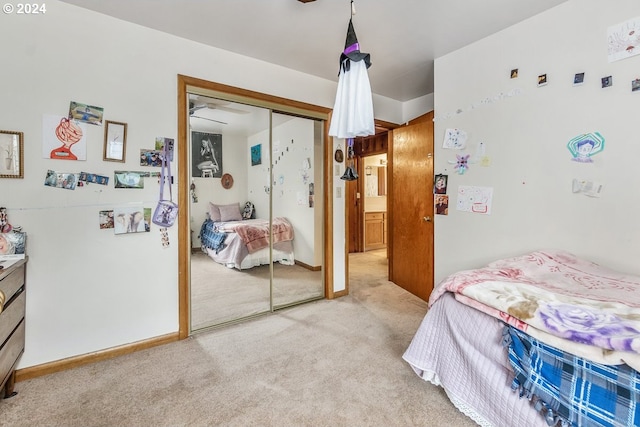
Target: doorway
(279, 143)
(409, 200)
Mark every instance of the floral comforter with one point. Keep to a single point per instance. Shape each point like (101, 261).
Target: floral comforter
(560, 299)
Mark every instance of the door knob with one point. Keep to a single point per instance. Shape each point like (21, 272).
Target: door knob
(426, 218)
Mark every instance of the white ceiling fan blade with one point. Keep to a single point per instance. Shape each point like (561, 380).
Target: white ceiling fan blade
(221, 107)
(211, 120)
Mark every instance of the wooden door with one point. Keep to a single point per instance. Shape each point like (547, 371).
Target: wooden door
(411, 205)
(355, 209)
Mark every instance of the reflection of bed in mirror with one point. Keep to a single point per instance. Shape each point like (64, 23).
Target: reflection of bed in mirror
(236, 240)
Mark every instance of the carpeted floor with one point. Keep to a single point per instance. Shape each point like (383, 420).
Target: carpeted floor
(220, 294)
(325, 363)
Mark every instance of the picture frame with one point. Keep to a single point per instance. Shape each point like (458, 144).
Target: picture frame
(11, 154)
(115, 141)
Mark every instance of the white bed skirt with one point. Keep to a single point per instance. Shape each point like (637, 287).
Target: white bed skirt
(459, 348)
(260, 257)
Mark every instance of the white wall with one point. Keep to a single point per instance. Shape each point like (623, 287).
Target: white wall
(526, 135)
(293, 145)
(89, 290)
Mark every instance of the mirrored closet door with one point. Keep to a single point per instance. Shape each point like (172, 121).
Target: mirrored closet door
(296, 198)
(255, 209)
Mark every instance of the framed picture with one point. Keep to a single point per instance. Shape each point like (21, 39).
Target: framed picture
(115, 141)
(11, 154)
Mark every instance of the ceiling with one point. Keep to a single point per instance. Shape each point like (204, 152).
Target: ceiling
(402, 36)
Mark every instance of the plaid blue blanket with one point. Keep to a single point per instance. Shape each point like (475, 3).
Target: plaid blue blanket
(572, 390)
(210, 238)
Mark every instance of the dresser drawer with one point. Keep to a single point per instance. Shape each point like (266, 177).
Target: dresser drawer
(11, 316)
(11, 283)
(10, 352)
(374, 216)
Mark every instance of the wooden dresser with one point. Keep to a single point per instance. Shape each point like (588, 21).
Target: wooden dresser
(12, 301)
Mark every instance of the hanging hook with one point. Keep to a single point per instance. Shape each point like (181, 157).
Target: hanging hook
(353, 8)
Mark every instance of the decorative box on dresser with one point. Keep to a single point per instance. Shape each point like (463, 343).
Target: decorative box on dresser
(12, 308)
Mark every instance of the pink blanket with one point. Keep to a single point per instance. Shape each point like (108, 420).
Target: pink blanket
(255, 232)
(565, 301)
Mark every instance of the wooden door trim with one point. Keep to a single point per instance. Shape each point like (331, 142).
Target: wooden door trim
(302, 109)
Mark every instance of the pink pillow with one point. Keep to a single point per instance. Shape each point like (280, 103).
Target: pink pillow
(214, 212)
(230, 212)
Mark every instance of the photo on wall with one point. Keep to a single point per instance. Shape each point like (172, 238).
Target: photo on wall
(206, 155)
(13, 245)
(131, 220)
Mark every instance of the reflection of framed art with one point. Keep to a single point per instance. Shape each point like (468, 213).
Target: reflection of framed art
(206, 155)
(115, 141)
(11, 154)
(256, 154)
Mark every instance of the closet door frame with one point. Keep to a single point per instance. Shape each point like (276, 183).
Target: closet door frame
(188, 85)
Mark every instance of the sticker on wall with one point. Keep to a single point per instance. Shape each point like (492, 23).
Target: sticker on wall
(442, 204)
(607, 81)
(578, 79)
(635, 85)
(514, 73)
(582, 147)
(475, 199)
(461, 163)
(455, 139)
(542, 80)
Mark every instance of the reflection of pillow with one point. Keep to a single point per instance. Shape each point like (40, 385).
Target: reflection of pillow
(230, 212)
(214, 212)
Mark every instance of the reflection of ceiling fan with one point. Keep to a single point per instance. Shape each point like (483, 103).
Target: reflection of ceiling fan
(193, 116)
(197, 105)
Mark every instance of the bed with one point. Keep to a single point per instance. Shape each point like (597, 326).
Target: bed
(543, 339)
(236, 240)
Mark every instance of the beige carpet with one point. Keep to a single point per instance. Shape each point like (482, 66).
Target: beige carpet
(220, 294)
(325, 363)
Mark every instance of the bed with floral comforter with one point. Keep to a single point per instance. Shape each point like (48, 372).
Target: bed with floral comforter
(556, 311)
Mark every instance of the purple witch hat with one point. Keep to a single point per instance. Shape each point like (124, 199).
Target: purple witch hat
(352, 50)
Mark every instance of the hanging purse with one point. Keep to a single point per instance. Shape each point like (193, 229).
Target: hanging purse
(166, 212)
